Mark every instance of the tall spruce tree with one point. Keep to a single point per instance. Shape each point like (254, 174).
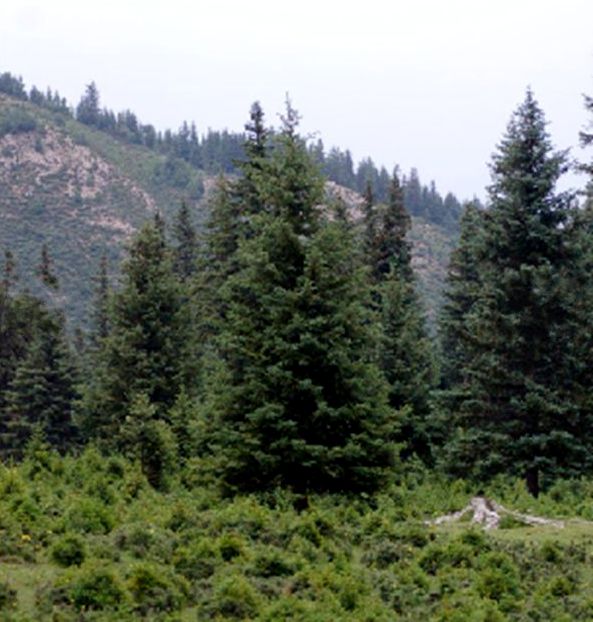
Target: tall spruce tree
(141, 354)
(405, 351)
(461, 292)
(42, 391)
(36, 369)
(88, 110)
(297, 399)
(256, 148)
(232, 207)
(518, 350)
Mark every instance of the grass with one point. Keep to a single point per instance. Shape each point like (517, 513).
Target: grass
(27, 578)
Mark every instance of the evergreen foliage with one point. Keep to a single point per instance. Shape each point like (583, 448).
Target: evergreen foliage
(298, 400)
(100, 312)
(37, 371)
(88, 111)
(463, 283)
(186, 247)
(141, 355)
(405, 350)
(42, 390)
(516, 342)
(45, 269)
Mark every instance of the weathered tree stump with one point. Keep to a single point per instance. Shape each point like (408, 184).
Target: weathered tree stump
(488, 513)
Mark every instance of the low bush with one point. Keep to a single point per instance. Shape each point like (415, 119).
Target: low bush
(69, 550)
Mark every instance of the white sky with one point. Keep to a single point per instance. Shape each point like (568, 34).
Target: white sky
(425, 83)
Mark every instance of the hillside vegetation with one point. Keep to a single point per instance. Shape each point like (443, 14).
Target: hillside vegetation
(84, 191)
(89, 539)
(81, 192)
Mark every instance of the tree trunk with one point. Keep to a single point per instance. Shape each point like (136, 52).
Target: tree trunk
(532, 481)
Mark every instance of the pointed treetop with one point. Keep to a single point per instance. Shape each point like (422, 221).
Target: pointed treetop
(45, 269)
(187, 244)
(290, 119)
(257, 134)
(525, 164)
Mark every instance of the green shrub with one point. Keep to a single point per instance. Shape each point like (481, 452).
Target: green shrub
(499, 577)
(510, 522)
(145, 541)
(11, 481)
(93, 586)
(69, 550)
(273, 563)
(230, 545)
(234, 598)
(16, 121)
(469, 609)
(560, 587)
(89, 515)
(155, 589)
(198, 560)
(416, 535)
(551, 552)
(476, 539)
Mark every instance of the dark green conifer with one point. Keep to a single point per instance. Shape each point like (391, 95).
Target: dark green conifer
(141, 354)
(186, 244)
(297, 399)
(462, 288)
(516, 345)
(405, 350)
(45, 269)
(42, 390)
(88, 110)
(100, 311)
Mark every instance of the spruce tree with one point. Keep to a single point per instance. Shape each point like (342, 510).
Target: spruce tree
(100, 311)
(45, 269)
(297, 398)
(461, 291)
(224, 229)
(518, 351)
(393, 250)
(141, 354)
(20, 315)
(42, 390)
(186, 247)
(88, 110)
(405, 350)
(256, 148)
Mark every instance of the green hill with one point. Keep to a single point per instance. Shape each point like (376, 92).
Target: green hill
(83, 193)
(79, 191)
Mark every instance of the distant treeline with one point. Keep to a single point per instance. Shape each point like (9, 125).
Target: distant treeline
(220, 151)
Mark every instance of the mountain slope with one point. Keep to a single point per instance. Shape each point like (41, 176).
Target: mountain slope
(80, 192)
(83, 193)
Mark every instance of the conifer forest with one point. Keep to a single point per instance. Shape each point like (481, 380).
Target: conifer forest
(259, 413)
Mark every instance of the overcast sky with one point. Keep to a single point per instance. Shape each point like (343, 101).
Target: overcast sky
(425, 83)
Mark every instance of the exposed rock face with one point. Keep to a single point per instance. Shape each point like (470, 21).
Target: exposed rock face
(32, 162)
(79, 191)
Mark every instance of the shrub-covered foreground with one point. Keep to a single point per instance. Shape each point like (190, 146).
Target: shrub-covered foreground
(88, 539)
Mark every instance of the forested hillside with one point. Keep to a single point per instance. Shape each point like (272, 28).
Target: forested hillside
(82, 179)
